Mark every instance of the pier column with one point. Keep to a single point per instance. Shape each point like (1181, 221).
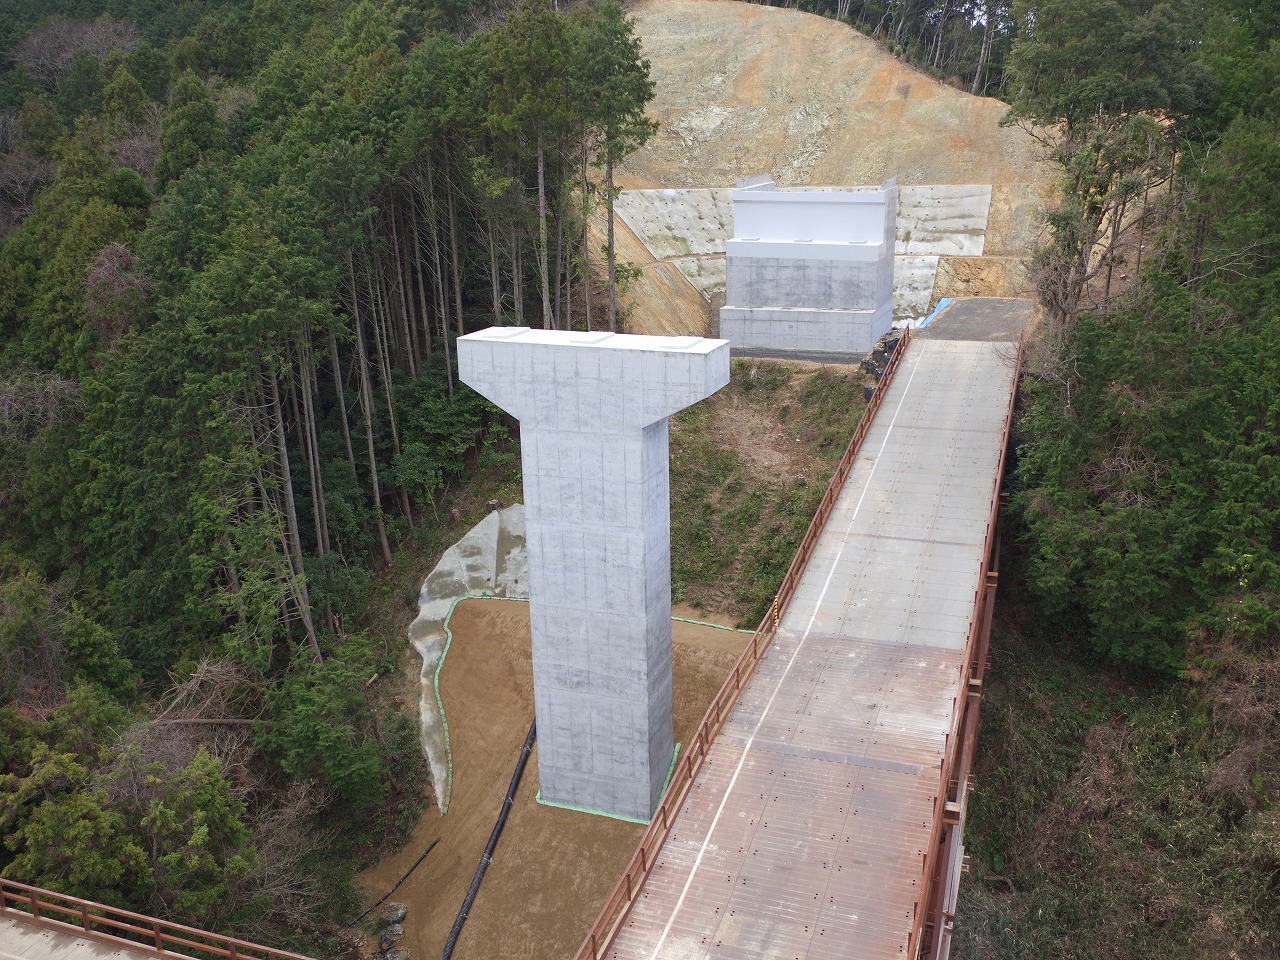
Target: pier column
(593, 411)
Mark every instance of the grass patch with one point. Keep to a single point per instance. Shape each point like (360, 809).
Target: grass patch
(748, 468)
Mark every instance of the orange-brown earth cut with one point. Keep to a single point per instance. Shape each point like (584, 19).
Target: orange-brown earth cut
(743, 89)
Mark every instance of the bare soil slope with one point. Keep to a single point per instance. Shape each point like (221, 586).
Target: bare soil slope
(743, 88)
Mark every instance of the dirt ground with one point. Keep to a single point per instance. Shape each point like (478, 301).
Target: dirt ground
(767, 445)
(659, 301)
(552, 868)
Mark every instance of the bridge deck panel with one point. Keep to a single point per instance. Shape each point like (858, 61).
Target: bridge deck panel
(805, 831)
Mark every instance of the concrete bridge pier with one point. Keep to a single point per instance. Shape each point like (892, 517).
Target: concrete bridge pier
(593, 411)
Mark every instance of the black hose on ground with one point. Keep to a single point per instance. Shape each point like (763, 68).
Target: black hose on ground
(493, 842)
(397, 886)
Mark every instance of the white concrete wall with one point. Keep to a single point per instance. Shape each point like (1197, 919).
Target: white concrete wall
(943, 220)
(810, 272)
(852, 217)
(850, 251)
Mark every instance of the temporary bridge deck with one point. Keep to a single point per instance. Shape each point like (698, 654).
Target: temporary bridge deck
(820, 811)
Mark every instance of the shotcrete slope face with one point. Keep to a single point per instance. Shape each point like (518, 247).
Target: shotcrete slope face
(688, 229)
(489, 560)
(744, 89)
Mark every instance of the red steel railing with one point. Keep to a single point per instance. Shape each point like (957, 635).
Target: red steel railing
(939, 862)
(614, 912)
(97, 921)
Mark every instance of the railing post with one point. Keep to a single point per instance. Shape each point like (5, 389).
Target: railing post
(35, 904)
(84, 917)
(155, 930)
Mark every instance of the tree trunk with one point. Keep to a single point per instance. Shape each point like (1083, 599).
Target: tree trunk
(543, 279)
(1142, 230)
(442, 295)
(313, 442)
(517, 279)
(298, 581)
(586, 243)
(382, 353)
(339, 392)
(397, 256)
(495, 285)
(301, 416)
(613, 280)
(321, 511)
(304, 444)
(366, 405)
(984, 54)
(420, 271)
(456, 267)
(557, 314)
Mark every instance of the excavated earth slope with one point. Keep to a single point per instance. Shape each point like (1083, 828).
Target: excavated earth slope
(743, 89)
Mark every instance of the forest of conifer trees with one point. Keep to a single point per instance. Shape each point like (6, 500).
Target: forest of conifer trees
(239, 240)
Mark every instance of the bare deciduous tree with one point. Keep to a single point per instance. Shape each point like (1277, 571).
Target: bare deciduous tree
(115, 292)
(285, 837)
(49, 49)
(30, 401)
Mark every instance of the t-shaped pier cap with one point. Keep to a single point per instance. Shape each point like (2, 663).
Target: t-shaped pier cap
(593, 411)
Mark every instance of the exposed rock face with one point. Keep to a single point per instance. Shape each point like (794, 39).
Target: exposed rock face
(394, 913)
(390, 936)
